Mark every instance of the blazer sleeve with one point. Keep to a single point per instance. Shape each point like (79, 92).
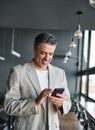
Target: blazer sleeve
(67, 101)
(14, 104)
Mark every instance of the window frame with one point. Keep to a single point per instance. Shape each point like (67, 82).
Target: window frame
(87, 71)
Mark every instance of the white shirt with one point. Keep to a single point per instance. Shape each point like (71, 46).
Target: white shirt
(43, 78)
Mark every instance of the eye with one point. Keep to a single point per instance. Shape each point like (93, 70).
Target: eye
(42, 52)
(51, 54)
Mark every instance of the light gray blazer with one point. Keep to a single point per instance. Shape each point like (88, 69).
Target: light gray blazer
(23, 89)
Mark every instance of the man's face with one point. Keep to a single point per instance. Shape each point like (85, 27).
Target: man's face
(43, 55)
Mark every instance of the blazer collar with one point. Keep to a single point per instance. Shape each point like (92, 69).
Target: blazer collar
(51, 76)
(34, 79)
(31, 73)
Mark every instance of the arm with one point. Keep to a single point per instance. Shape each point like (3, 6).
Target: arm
(67, 101)
(14, 103)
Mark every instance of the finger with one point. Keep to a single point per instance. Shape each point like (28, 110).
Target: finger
(58, 104)
(45, 92)
(60, 95)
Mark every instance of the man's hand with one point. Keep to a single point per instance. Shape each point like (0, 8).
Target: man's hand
(58, 101)
(42, 96)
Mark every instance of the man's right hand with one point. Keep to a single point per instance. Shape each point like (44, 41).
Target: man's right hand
(42, 96)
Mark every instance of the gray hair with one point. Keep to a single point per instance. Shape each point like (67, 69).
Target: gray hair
(44, 38)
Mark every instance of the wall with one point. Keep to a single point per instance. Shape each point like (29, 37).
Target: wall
(23, 44)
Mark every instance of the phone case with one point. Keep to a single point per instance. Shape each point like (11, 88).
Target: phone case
(57, 90)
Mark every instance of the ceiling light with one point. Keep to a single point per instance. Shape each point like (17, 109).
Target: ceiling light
(66, 58)
(2, 58)
(92, 3)
(13, 52)
(68, 53)
(64, 61)
(73, 44)
(78, 32)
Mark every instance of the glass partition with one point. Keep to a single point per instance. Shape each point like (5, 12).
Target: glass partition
(85, 50)
(92, 50)
(92, 86)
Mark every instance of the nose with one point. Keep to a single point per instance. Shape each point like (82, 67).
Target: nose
(47, 56)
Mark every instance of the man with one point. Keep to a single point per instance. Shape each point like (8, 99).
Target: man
(30, 87)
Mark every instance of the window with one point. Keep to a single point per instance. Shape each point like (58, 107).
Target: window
(85, 50)
(92, 50)
(84, 84)
(87, 71)
(92, 86)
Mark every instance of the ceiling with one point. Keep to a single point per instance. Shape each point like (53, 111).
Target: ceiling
(46, 14)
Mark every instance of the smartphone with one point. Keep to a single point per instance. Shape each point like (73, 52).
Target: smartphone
(57, 90)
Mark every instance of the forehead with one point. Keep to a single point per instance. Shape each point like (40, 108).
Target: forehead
(47, 47)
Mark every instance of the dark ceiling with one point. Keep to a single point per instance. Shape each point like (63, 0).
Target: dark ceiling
(46, 14)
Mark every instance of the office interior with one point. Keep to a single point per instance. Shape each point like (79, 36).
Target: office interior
(21, 21)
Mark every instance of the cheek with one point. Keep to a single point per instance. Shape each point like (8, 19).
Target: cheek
(51, 57)
(39, 57)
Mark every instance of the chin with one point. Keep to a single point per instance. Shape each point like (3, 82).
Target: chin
(44, 66)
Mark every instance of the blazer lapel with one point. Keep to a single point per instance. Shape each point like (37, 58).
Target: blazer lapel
(51, 77)
(33, 77)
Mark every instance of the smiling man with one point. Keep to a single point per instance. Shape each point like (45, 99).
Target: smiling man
(30, 86)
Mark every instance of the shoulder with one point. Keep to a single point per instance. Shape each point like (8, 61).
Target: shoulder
(55, 68)
(21, 67)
